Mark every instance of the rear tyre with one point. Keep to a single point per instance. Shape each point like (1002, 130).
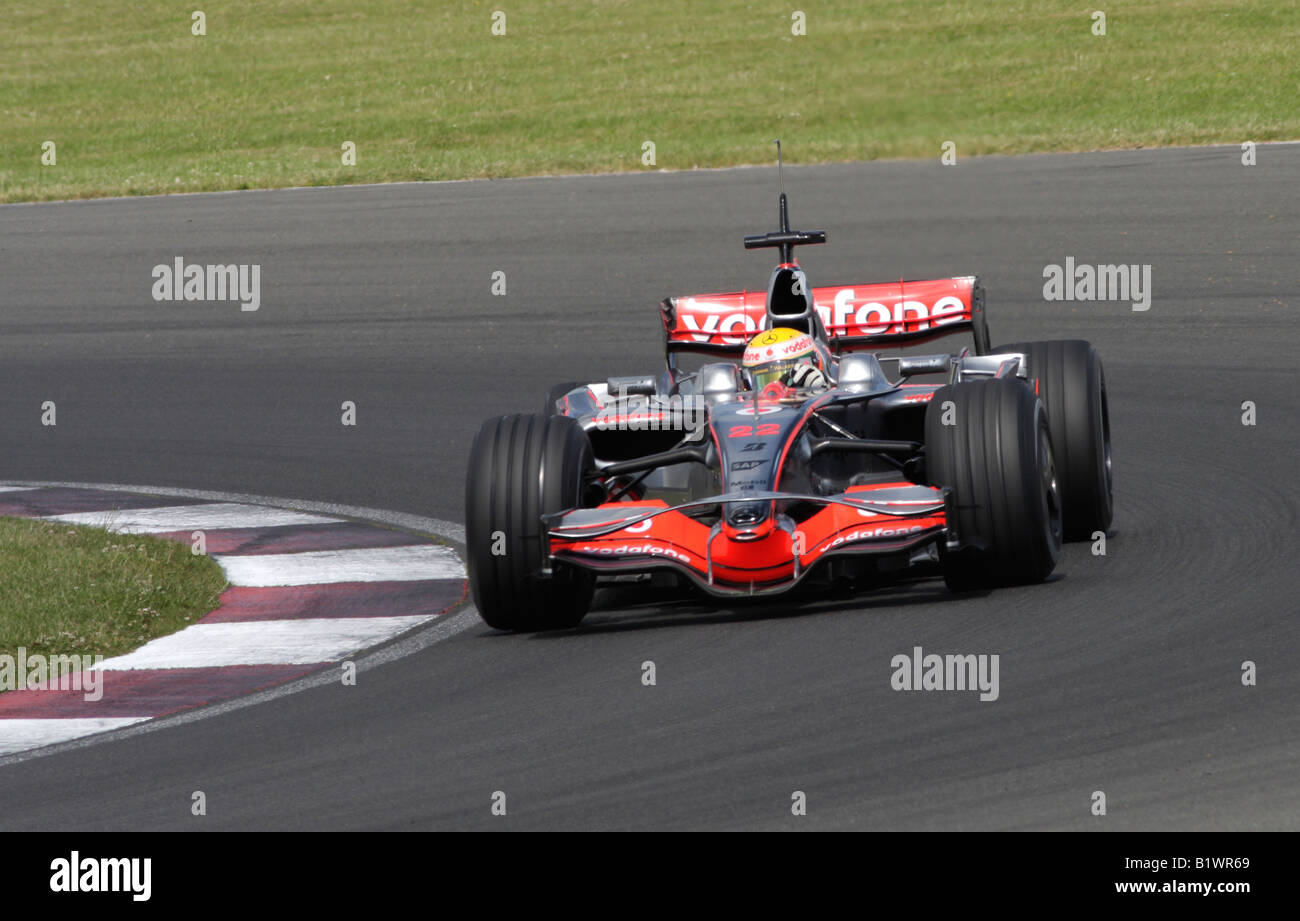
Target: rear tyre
(520, 468)
(1072, 386)
(996, 457)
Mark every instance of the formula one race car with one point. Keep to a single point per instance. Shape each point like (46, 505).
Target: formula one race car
(790, 456)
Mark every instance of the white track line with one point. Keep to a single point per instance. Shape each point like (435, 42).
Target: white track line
(610, 177)
(18, 488)
(371, 564)
(445, 529)
(191, 517)
(20, 734)
(263, 642)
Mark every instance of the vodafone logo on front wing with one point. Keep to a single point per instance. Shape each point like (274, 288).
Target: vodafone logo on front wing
(634, 550)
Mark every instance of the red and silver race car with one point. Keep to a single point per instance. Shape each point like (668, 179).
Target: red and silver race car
(844, 469)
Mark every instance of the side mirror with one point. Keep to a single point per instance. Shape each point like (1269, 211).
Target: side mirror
(638, 386)
(718, 379)
(861, 374)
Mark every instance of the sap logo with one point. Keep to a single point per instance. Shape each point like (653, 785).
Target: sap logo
(847, 318)
(747, 465)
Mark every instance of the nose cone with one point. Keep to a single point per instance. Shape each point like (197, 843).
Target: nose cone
(760, 556)
(748, 516)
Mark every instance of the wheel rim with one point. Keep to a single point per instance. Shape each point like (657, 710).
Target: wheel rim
(1051, 490)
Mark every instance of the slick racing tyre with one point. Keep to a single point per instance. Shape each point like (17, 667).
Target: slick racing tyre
(520, 468)
(996, 457)
(1073, 390)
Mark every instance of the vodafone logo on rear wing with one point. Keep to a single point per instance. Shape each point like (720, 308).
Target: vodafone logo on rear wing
(718, 318)
(876, 312)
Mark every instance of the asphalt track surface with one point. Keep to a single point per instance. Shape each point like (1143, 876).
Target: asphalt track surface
(1121, 674)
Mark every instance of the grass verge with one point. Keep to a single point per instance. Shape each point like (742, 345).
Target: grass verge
(136, 104)
(70, 590)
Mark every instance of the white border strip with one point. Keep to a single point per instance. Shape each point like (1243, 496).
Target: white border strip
(263, 642)
(218, 516)
(436, 527)
(16, 735)
(441, 628)
(323, 567)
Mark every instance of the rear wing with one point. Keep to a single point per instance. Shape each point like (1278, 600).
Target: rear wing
(854, 317)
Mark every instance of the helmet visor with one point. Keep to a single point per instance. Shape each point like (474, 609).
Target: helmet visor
(772, 371)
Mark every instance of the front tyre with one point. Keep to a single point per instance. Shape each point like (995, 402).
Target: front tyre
(520, 468)
(995, 454)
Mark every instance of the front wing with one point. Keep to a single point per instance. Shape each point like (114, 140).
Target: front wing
(631, 537)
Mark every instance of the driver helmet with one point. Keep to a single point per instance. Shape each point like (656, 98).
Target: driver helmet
(774, 352)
